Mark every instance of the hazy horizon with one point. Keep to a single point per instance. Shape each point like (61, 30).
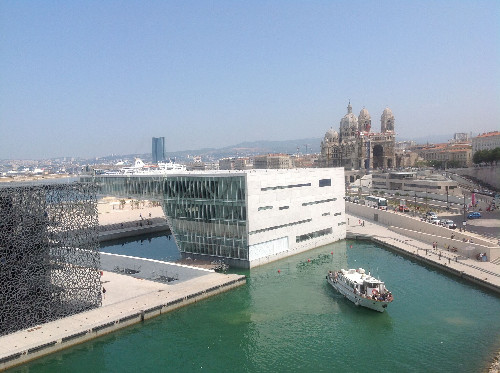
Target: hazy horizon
(89, 79)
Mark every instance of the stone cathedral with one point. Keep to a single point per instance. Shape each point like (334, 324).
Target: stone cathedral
(356, 147)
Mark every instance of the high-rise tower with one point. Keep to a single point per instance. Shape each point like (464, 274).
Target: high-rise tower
(158, 149)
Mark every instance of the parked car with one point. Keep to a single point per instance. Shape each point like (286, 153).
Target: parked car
(403, 208)
(430, 214)
(434, 220)
(448, 224)
(473, 215)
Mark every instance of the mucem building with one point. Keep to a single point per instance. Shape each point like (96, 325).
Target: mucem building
(49, 253)
(249, 218)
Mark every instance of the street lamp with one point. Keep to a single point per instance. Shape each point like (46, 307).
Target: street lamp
(464, 208)
(447, 203)
(415, 207)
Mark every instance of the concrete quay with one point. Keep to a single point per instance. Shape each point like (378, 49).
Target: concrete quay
(484, 274)
(126, 229)
(127, 301)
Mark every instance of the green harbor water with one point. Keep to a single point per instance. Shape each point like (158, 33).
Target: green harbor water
(293, 321)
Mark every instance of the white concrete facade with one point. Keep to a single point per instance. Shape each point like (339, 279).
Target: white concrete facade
(291, 211)
(249, 218)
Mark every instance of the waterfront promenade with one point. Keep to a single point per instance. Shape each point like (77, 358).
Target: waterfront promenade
(485, 274)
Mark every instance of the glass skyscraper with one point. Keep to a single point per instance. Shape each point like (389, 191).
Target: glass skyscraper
(158, 149)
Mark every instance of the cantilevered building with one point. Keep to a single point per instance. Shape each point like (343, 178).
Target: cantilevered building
(248, 218)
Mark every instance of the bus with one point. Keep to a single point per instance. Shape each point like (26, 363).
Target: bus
(377, 202)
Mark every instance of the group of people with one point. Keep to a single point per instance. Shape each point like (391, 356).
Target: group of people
(384, 297)
(482, 257)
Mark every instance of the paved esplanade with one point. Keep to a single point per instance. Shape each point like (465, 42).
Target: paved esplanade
(127, 300)
(485, 272)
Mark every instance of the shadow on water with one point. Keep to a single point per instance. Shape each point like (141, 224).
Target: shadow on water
(159, 246)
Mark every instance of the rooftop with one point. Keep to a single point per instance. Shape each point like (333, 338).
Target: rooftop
(488, 134)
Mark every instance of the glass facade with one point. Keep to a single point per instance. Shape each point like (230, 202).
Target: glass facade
(207, 214)
(136, 186)
(158, 149)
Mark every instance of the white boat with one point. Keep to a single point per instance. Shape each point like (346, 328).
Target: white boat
(140, 168)
(360, 288)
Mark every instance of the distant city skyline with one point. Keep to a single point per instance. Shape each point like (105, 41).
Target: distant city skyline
(89, 79)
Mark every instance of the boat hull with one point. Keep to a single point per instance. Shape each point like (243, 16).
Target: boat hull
(357, 299)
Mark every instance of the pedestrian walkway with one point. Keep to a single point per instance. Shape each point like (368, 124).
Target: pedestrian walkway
(482, 273)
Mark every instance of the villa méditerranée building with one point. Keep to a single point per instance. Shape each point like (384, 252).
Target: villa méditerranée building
(249, 218)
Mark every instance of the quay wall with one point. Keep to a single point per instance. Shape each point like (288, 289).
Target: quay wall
(467, 249)
(421, 258)
(488, 174)
(402, 220)
(75, 335)
(132, 232)
(415, 255)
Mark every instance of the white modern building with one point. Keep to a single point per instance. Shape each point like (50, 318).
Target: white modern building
(249, 218)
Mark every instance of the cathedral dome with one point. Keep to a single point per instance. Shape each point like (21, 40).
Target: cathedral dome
(331, 134)
(348, 121)
(387, 112)
(364, 114)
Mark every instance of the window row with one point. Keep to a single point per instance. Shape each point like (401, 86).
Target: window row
(423, 186)
(265, 208)
(280, 226)
(317, 202)
(310, 236)
(285, 187)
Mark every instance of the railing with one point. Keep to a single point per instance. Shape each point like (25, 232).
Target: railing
(441, 255)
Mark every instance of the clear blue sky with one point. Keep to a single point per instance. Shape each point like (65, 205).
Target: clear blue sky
(92, 78)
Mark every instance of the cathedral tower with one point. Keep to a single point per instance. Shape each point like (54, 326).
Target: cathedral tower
(387, 121)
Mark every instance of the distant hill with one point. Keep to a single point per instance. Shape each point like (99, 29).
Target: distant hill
(252, 148)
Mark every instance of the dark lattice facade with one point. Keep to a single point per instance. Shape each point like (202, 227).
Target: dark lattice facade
(49, 253)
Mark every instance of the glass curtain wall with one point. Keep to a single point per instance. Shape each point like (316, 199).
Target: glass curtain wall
(208, 215)
(130, 186)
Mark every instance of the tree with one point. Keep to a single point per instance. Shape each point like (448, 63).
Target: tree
(487, 156)
(496, 154)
